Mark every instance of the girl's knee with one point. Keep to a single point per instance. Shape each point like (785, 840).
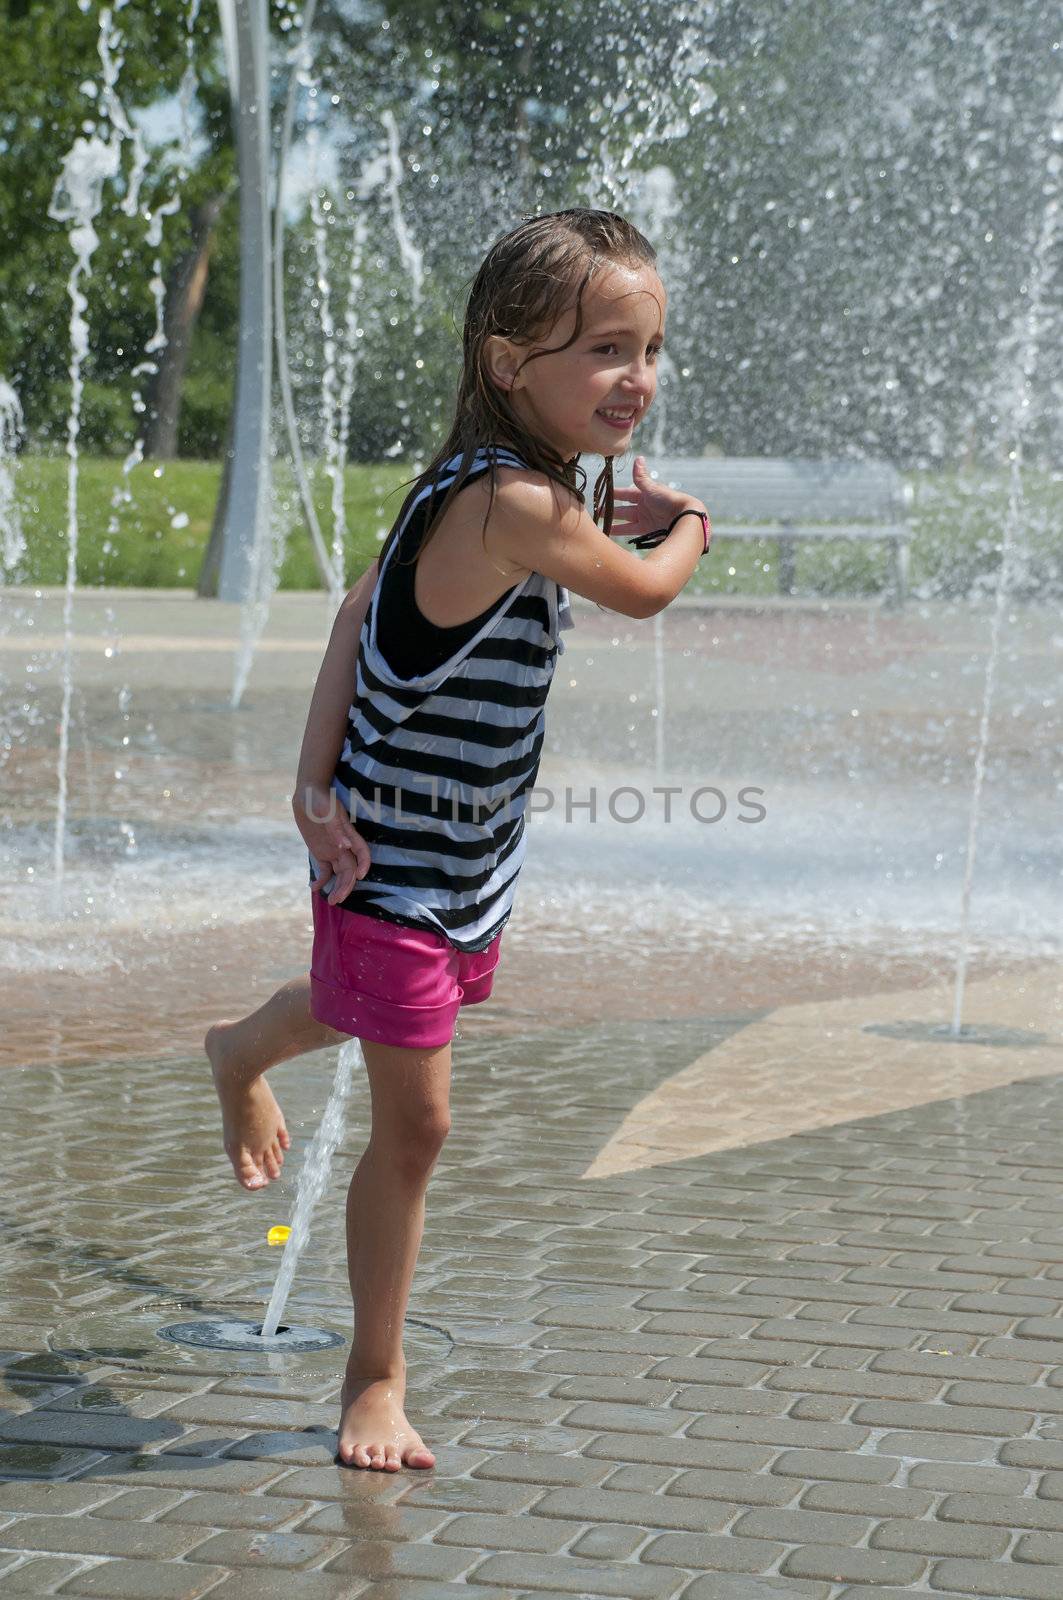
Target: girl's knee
(411, 1144)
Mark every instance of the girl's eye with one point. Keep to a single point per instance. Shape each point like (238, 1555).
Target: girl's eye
(604, 349)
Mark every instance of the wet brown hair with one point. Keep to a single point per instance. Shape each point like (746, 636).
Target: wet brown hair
(528, 279)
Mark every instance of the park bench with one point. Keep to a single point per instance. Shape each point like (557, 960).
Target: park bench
(751, 497)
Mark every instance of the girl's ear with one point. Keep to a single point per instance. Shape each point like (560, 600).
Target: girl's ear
(500, 360)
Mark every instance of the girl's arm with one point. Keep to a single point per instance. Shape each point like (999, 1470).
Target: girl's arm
(540, 523)
(324, 824)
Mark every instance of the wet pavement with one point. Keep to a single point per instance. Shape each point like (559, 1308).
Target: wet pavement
(656, 1352)
(740, 1278)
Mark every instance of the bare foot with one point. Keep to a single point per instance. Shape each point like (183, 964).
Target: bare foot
(374, 1431)
(253, 1127)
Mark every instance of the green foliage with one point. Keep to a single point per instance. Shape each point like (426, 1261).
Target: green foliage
(49, 50)
(145, 549)
(957, 527)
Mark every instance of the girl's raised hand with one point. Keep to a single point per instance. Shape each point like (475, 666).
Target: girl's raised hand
(332, 839)
(647, 505)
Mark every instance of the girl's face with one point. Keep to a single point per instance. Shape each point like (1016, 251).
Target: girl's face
(590, 397)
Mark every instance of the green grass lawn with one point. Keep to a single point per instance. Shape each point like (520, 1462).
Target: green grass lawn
(156, 537)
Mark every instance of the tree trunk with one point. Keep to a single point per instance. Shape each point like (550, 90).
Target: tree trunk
(184, 299)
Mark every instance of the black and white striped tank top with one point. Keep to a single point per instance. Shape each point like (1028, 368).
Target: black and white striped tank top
(435, 770)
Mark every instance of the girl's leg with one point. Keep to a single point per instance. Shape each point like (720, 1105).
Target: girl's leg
(410, 1091)
(240, 1052)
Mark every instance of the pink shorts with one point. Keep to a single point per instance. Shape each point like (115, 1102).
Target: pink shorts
(402, 986)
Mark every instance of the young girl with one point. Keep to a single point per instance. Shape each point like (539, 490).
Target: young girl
(449, 643)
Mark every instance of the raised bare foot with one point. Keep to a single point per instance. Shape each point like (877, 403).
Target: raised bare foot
(374, 1431)
(253, 1129)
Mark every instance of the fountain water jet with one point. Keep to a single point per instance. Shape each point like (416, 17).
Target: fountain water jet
(313, 1177)
(1029, 345)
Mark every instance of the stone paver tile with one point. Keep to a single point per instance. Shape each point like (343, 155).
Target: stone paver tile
(248, 1585)
(545, 1470)
(608, 1541)
(282, 1448)
(839, 1564)
(528, 1532)
(780, 1431)
(507, 1436)
(601, 1363)
(803, 1527)
(732, 1586)
(938, 1447)
(710, 1370)
(1044, 1548)
(97, 1398)
(500, 1408)
(860, 1385)
(867, 1500)
(725, 1454)
(384, 1558)
(843, 1465)
(55, 1499)
(730, 1399)
(645, 1510)
(182, 1472)
(1008, 1511)
(979, 1368)
(879, 1338)
(995, 1423)
(621, 1391)
(467, 1494)
(138, 1580)
(743, 1488)
(91, 1536)
(138, 1505)
(627, 1419)
(822, 1407)
(629, 1580)
(1040, 1455)
(39, 1575)
(703, 1551)
(958, 1478)
(1021, 1397)
(264, 1548)
(942, 1539)
(250, 1411)
(360, 1518)
(45, 1461)
(100, 1429)
(1003, 1580)
(214, 1509)
(642, 1479)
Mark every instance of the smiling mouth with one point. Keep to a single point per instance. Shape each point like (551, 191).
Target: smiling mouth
(617, 419)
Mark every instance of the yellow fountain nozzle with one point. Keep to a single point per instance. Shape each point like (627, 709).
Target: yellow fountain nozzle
(278, 1235)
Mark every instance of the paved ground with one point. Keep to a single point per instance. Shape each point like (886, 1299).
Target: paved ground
(739, 1280)
(824, 1365)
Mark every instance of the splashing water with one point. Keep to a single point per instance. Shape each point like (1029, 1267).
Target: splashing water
(1029, 346)
(77, 199)
(412, 257)
(12, 538)
(313, 1178)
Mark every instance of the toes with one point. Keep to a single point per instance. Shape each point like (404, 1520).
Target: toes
(377, 1455)
(360, 1456)
(246, 1170)
(284, 1138)
(270, 1164)
(392, 1458)
(420, 1456)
